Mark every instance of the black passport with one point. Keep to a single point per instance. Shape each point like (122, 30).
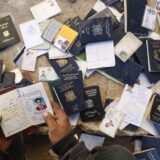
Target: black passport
(153, 55)
(96, 30)
(64, 66)
(8, 33)
(71, 95)
(93, 104)
(141, 55)
(77, 47)
(107, 13)
(126, 73)
(155, 111)
(134, 15)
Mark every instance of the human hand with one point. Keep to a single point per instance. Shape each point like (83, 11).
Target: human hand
(59, 125)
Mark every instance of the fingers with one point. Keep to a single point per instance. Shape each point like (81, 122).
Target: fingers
(50, 121)
(56, 107)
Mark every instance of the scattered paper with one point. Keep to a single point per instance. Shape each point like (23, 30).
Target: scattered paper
(31, 34)
(111, 122)
(134, 103)
(45, 10)
(100, 55)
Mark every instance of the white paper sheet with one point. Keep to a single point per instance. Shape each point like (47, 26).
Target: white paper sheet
(45, 10)
(100, 55)
(31, 34)
(134, 102)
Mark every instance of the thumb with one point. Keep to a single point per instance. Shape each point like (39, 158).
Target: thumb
(50, 121)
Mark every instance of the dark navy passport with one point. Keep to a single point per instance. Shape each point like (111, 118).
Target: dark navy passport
(64, 66)
(96, 30)
(141, 55)
(134, 16)
(127, 72)
(71, 95)
(94, 108)
(77, 47)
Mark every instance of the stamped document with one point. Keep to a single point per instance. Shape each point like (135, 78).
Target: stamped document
(22, 108)
(134, 103)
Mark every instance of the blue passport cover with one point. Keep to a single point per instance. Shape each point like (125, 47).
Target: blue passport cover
(127, 72)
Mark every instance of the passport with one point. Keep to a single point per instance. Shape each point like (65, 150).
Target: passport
(96, 30)
(107, 13)
(155, 111)
(64, 66)
(77, 47)
(71, 95)
(126, 73)
(153, 55)
(142, 60)
(93, 104)
(8, 33)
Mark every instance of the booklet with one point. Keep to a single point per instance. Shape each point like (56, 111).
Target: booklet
(122, 50)
(45, 10)
(100, 55)
(23, 107)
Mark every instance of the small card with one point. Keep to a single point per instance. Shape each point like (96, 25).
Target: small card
(149, 18)
(51, 30)
(93, 104)
(45, 10)
(47, 74)
(64, 66)
(122, 51)
(31, 34)
(100, 55)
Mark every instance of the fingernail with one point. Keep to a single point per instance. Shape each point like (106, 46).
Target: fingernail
(45, 114)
